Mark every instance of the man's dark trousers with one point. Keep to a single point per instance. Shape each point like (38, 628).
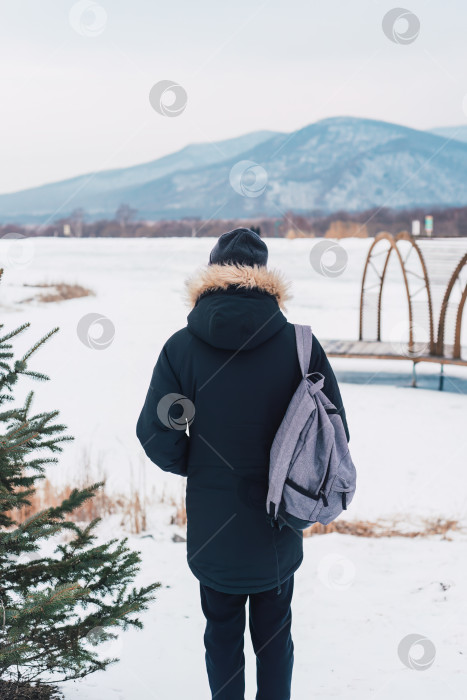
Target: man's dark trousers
(270, 620)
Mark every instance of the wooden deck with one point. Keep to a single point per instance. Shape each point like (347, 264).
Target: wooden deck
(379, 350)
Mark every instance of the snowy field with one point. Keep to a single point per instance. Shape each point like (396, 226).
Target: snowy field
(356, 598)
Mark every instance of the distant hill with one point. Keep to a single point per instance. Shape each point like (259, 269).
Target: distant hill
(342, 163)
(452, 132)
(39, 203)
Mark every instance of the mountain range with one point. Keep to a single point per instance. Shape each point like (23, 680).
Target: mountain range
(340, 163)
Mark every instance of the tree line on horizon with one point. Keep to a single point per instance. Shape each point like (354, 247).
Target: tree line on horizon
(448, 222)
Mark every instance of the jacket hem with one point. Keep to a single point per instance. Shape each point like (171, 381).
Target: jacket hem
(242, 589)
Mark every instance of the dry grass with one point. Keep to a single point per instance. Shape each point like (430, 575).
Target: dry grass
(346, 229)
(179, 517)
(357, 528)
(133, 502)
(297, 233)
(60, 291)
(131, 506)
(366, 528)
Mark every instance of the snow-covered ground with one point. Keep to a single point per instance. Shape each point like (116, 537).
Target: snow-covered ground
(356, 598)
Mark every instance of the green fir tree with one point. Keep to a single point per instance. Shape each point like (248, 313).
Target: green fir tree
(55, 608)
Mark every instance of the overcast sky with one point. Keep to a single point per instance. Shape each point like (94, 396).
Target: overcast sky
(74, 103)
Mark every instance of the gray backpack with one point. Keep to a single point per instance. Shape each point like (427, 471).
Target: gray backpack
(311, 475)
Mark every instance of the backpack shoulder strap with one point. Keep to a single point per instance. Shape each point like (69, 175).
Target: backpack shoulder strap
(304, 338)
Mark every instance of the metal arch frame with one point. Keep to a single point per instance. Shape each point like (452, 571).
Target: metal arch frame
(380, 237)
(457, 339)
(403, 235)
(444, 307)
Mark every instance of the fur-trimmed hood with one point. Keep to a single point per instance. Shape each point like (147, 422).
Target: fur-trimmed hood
(213, 277)
(245, 314)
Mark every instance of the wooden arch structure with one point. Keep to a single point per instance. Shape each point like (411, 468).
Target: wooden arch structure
(440, 345)
(407, 275)
(375, 274)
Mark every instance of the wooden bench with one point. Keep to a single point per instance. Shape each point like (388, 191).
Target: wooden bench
(380, 350)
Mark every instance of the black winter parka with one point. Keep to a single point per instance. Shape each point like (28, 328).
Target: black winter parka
(236, 368)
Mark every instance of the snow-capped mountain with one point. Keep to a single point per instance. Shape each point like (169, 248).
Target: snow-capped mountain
(341, 163)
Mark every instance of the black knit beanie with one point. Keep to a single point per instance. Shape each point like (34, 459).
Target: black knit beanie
(241, 246)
